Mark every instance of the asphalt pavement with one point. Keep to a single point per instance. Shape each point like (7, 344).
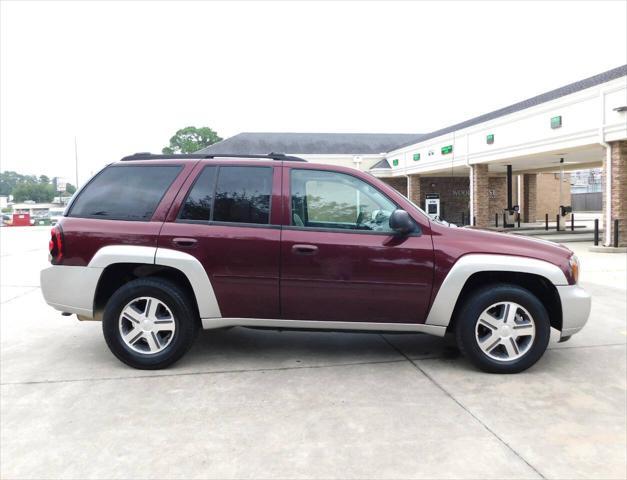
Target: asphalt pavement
(262, 404)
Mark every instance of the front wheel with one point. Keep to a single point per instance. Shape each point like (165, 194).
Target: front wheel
(149, 323)
(503, 329)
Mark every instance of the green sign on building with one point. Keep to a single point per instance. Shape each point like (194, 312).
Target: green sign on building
(416, 157)
(395, 162)
(490, 139)
(556, 122)
(446, 150)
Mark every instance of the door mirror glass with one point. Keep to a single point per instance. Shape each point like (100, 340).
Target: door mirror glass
(401, 222)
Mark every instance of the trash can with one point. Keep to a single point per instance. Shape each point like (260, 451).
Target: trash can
(21, 220)
(509, 217)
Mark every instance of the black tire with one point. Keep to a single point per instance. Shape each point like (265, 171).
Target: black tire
(182, 308)
(478, 301)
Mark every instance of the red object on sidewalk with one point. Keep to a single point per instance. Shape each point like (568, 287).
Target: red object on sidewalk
(21, 220)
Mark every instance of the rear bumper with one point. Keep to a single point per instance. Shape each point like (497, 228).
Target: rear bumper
(70, 289)
(575, 308)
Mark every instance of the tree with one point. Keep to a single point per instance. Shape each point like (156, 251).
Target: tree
(27, 187)
(10, 179)
(191, 139)
(37, 192)
(70, 189)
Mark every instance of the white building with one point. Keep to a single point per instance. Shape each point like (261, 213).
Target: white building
(497, 158)
(34, 209)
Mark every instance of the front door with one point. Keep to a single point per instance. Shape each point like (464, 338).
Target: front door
(340, 261)
(229, 221)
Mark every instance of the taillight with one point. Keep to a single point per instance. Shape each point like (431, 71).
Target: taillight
(55, 246)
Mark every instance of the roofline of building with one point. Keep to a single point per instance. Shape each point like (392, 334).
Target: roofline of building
(569, 89)
(551, 95)
(389, 141)
(546, 97)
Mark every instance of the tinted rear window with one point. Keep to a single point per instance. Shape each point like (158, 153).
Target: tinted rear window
(243, 195)
(200, 200)
(125, 192)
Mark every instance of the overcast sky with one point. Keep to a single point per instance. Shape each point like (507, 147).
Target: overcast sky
(123, 77)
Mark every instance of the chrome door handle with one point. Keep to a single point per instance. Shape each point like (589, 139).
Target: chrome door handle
(301, 249)
(184, 242)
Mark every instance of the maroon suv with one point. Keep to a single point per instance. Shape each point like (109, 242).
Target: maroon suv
(159, 246)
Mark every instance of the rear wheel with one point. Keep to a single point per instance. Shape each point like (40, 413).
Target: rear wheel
(503, 329)
(149, 323)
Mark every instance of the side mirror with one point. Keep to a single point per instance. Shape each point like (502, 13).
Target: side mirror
(401, 222)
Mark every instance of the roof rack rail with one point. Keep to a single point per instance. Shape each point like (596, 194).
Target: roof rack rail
(152, 156)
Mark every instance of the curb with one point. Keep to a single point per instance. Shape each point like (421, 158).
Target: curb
(608, 249)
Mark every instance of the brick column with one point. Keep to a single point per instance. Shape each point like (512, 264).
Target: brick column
(413, 190)
(480, 194)
(398, 183)
(530, 197)
(618, 193)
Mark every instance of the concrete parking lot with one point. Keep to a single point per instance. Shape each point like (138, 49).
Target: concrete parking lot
(264, 404)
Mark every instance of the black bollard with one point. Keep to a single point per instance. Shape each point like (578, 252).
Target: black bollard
(546, 221)
(596, 232)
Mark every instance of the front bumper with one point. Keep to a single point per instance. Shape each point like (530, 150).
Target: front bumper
(575, 308)
(70, 289)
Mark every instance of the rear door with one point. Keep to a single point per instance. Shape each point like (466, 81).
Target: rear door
(340, 261)
(228, 217)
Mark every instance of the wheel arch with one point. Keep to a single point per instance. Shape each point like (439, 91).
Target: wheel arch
(473, 270)
(122, 263)
(116, 275)
(538, 285)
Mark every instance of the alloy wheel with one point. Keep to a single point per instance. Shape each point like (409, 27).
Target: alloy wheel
(505, 331)
(147, 325)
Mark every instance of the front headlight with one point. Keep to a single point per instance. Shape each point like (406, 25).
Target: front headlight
(574, 268)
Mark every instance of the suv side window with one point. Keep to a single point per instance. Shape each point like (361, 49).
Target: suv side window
(198, 204)
(122, 192)
(230, 194)
(323, 199)
(243, 195)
